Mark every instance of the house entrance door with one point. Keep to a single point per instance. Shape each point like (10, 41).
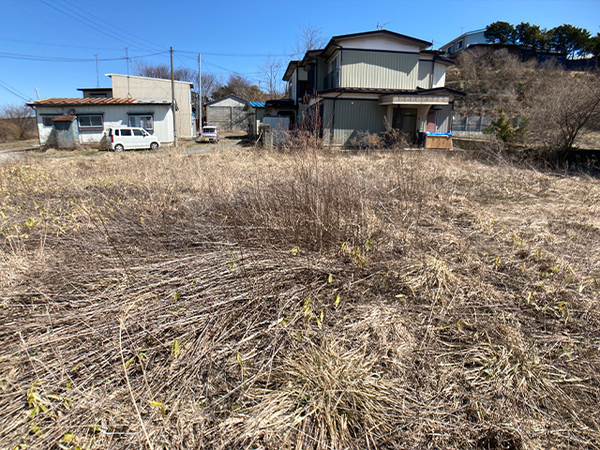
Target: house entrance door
(431, 124)
(405, 120)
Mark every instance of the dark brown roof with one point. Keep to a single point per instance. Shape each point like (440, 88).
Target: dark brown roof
(98, 101)
(418, 91)
(65, 118)
(379, 91)
(419, 42)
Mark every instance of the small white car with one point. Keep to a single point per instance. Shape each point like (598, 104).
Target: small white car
(130, 138)
(210, 133)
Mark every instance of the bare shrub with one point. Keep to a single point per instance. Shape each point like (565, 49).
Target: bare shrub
(367, 140)
(159, 300)
(563, 106)
(17, 122)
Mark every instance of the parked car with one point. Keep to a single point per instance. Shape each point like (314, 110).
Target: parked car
(210, 133)
(129, 138)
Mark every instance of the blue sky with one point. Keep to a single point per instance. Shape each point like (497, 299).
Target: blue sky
(51, 44)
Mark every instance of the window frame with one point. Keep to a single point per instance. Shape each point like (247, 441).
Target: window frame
(138, 122)
(48, 117)
(91, 127)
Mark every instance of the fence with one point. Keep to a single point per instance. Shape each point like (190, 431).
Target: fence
(469, 125)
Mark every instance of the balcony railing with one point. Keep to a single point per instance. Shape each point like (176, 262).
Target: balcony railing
(332, 80)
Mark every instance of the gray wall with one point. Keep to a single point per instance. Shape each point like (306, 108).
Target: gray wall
(227, 117)
(346, 118)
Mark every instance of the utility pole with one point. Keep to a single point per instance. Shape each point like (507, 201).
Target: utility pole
(199, 104)
(127, 58)
(173, 104)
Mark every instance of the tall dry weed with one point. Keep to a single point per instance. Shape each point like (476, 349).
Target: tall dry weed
(284, 301)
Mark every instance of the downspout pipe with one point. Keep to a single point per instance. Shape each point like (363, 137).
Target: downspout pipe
(333, 117)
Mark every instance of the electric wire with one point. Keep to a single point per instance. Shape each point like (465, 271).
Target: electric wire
(12, 90)
(86, 23)
(26, 57)
(135, 37)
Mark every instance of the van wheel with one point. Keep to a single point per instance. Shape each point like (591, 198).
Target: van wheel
(153, 146)
(119, 148)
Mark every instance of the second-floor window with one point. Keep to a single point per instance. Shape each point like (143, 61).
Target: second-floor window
(333, 77)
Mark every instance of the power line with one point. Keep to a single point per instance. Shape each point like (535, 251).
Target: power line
(49, 44)
(13, 91)
(86, 22)
(135, 37)
(70, 60)
(235, 55)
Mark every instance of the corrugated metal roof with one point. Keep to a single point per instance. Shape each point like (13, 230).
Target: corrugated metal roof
(257, 104)
(65, 118)
(99, 101)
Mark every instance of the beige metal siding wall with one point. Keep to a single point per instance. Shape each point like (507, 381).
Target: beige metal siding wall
(425, 74)
(384, 70)
(439, 75)
(444, 116)
(354, 116)
(142, 87)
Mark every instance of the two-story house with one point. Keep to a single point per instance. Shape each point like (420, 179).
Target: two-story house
(372, 82)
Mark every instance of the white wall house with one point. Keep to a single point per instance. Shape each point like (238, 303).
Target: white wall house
(132, 101)
(69, 122)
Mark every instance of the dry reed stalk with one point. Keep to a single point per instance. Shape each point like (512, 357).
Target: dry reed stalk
(287, 302)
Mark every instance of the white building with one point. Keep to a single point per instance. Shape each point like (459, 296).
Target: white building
(132, 101)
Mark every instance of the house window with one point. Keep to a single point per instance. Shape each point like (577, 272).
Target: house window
(47, 121)
(98, 95)
(459, 45)
(91, 122)
(145, 121)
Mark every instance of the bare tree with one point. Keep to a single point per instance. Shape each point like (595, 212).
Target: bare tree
(270, 71)
(240, 86)
(209, 81)
(17, 122)
(563, 105)
(309, 38)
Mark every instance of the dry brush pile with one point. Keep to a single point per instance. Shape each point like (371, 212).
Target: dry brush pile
(242, 300)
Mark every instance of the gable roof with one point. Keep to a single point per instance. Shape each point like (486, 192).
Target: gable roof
(402, 37)
(230, 96)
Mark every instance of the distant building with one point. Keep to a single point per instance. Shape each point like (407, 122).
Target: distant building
(475, 41)
(227, 113)
(463, 41)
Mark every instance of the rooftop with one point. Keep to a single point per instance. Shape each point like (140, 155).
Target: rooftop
(99, 101)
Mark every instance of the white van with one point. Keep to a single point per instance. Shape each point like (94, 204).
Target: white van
(129, 138)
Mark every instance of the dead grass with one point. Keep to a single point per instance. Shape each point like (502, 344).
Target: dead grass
(279, 301)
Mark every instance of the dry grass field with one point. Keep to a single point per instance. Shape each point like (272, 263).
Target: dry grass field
(248, 300)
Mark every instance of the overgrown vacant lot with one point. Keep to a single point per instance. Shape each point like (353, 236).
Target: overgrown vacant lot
(281, 301)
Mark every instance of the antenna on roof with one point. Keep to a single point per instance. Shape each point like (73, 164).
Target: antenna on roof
(381, 26)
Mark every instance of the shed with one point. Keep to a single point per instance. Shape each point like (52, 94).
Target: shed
(256, 112)
(228, 113)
